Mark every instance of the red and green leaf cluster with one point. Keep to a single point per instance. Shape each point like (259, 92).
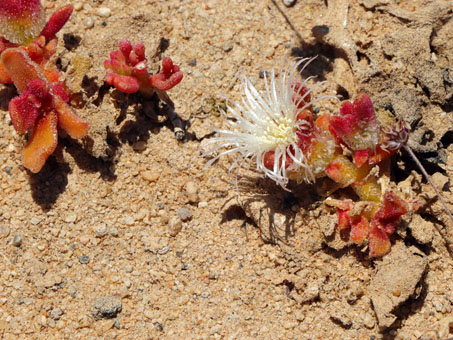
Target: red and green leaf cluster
(358, 130)
(127, 71)
(42, 105)
(374, 228)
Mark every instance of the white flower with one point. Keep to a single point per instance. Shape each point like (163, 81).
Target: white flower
(267, 122)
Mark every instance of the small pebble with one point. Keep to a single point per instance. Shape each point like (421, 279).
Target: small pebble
(114, 232)
(139, 146)
(104, 12)
(184, 214)
(174, 226)
(89, 23)
(289, 3)
(17, 241)
(101, 230)
(35, 221)
(107, 307)
(4, 231)
(56, 314)
(84, 240)
(202, 204)
(227, 46)
(84, 259)
(150, 176)
(78, 6)
(192, 62)
(128, 220)
(192, 192)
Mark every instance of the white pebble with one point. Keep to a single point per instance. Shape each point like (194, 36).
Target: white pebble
(89, 23)
(104, 12)
(288, 3)
(78, 6)
(101, 230)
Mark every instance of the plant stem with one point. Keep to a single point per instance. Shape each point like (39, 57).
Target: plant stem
(428, 178)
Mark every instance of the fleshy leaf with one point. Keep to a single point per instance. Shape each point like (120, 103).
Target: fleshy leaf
(42, 143)
(168, 77)
(356, 126)
(359, 230)
(391, 211)
(21, 21)
(378, 242)
(57, 21)
(75, 126)
(20, 68)
(24, 110)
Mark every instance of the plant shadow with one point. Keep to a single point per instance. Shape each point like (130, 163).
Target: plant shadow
(48, 184)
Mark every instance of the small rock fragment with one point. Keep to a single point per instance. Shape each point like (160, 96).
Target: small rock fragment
(104, 12)
(395, 281)
(107, 307)
(368, 321)
(192, 192)
(56, 313)
(35, 221)
(4, 231)
(175, 226)
(84, 259)
(184, 214)
(339, 315)
(422, 230)
(101, 230)
(89, 23)
(289, 3)
(150, 176)
(139, 146)
(227, 46)
(17, 241)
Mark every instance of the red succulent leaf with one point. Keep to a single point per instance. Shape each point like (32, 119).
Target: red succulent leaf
(20, 68)
(24, 110)
(21, 20)
(391, 210)
(168, 77)
(359, 230)
(57, 21)
(42, 143)
(378, 242)
(126, 84)
(60, 90)
(356, 126)
(362, 157)
(301, 96)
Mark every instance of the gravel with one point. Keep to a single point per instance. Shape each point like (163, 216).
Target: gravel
(184, 214)
(17, 241)
(106, 307)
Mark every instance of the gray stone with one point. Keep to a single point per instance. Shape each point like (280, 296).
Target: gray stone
(184, 214)
(17, 241)
(56, 313)
(4, 231)
(84, 259)
(107, 307)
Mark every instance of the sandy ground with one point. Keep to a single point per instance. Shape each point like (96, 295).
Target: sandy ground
(127, 235)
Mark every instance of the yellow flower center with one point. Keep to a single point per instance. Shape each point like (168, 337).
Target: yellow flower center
(280, 131)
